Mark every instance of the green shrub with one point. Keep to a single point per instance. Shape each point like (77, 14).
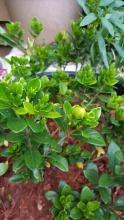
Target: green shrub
(84, 107)
(86, 204)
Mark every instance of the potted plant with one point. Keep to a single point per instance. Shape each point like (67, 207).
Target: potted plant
(62, 127)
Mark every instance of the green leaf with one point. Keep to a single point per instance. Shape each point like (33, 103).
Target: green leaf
(91, 173)
(67, 107)
(82, 3)
(3, 168)
(50, 195)
(92, 117)
(119, 49)
(54, 211)
(17, 125)
(64, 188)
(93, 205)
(99, 214)
(86, 194)
(119, 204)
(108, 26)
(4, 105)
(17, 178)
(86, 154)
(28, 107)
(88, 19)
(33, 158)
(116, 21)
(90, 136)
(76, 213)
(37, 175)
(36, 27)
(113, 149)
(56, 203)
(63, 214)
(105, 3)
(33, 86)
(102, 49)
(105, 194)
(62, 124)
(105, 180)
(53, 115)
(119, 180)
(59, 162)
(113, 217)
(92, 52)
(4, 94)
(118, 3)
(20, 111)
(36, 128)
(97, 112)
(62, 88)
(18, 164)
(86, 76)
(45, 138)
(12, 137)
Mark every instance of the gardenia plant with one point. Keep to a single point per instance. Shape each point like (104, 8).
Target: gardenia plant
(70, 204)
(84, 107)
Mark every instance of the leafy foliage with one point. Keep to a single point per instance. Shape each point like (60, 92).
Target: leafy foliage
(106, 19)
(69, 204)
(85, 112)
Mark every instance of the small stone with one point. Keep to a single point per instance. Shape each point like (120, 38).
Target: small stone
(6, 143)
(39, 207)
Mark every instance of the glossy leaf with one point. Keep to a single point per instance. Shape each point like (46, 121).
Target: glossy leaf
(3, 168)
(108, 26)
(17, 125)
(119, 204)
(67, 107)
(91, 173)
(64, 188)
(34, 86)
(82, 3)
(105, 194)
(112, 151)
(18, 164)
(76, 213)
(50, 195)
(86, 194)
(105, 180)
(17, 178)
(102, 49)
(45, 138)
(53, 115)
(116, 21)
(62, 88)
(33, 158)
(35, 127)
(119, 49)
(88, 19)
(59, 162)
(90, 136)
(28, 108)
(105, 3)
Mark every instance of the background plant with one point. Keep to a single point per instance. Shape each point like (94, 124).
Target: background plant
(105, 21)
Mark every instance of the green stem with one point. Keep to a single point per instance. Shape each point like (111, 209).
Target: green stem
(28, 138)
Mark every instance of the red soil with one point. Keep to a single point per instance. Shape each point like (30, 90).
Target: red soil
(26, 201)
